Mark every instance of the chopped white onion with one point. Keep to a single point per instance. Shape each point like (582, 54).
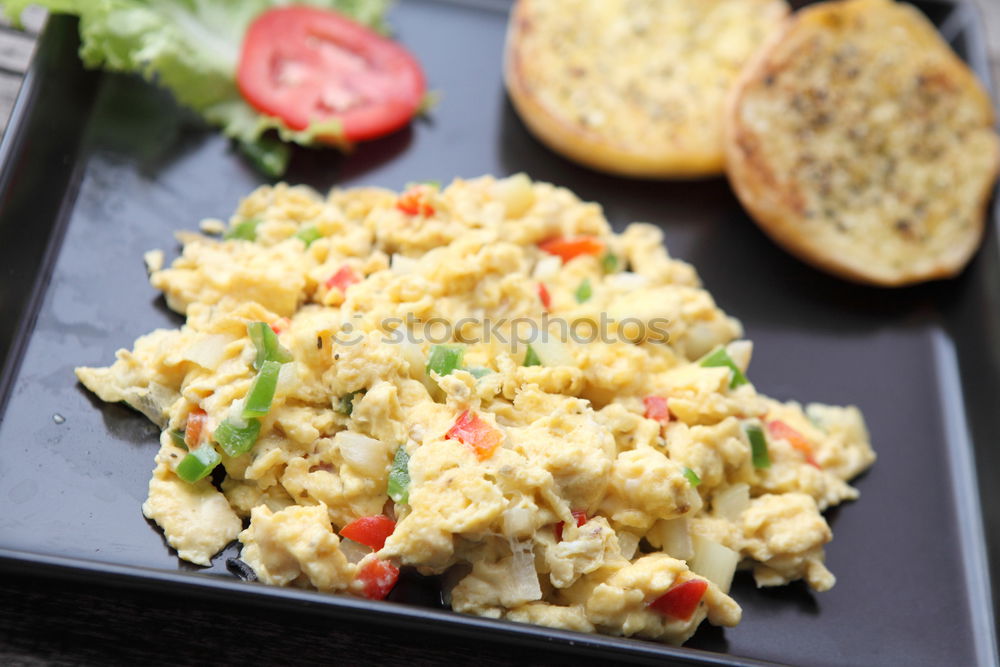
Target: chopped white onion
(552, 352)
(740, 352)
(287, 379)
(522, 585)
(402, 264)
(236, 414)
(208, 352)
(672, 537)
(714, 561)
(547, 267)
(366, 454)
(699, 339)
(731, 503)
(353, 551)
(518, 522)
(628, 543)
(626, 281)
(413, 354)
(516, 194)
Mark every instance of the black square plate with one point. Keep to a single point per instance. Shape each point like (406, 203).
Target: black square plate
(98, 168)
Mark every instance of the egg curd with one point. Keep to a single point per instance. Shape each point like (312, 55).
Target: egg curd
(485, 381)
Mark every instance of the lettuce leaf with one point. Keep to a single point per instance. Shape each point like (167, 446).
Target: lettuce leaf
(192, 47)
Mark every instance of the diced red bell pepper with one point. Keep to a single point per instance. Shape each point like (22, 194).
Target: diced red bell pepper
(416, 201)
(656, 408)
(579, 515)
(378, 577)
(543, 294)
(782, 431)
(681, 600)
(570, 247)
(471, 430)
(280, 324)
(343, 278)
(195, 425)
(371, 531)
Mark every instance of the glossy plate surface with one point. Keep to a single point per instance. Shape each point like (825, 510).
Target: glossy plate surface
(99, 168)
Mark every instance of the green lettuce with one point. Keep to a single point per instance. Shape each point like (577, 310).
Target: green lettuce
(192, 47)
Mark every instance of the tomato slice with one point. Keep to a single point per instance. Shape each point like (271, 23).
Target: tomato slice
(470, 429)
(192, 430)
(377, 577)
(543, 294)
(568, 248)
(781, 430)
(681, 600)
(343, 278)
(656, 408)
(305, 64)
(372, 531)
(579, 515)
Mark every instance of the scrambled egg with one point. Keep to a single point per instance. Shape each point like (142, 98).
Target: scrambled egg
(613, 472)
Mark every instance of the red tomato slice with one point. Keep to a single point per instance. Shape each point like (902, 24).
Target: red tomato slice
(343, 278)
(681, 600)
(579, 515)
(192, 430)
(378, 577)
(304, 64)
(656, 408)
(371, 531)
(543, 294)
(568, 248)
(470, 429)
(781, 430)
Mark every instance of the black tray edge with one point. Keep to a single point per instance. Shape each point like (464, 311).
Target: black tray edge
(381, 612)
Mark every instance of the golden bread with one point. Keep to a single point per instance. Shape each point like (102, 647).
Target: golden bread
(633, 87)
(860, 142)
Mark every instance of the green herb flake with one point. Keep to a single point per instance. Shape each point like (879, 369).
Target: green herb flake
(236, 440)
(718, 358)
(531, 357)
(399, 477)
(244, 231)
(308, 234)
(692, 477)
(758, 447)
(198, 464)
(584, 291)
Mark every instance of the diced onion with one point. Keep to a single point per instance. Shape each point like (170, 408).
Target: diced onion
(353, 551)
(366, 454)
(699, 340)
(516, 194)
(547, 267)
(740, 352)
(626, 281)
(714, 561)
(402, 264)
(552, 352)
(628, 543)
(287, 377)
(522, 585)
(414, 355)
(518, 522)
(208, 352)
(236, 414)
(731, 503)
(672, 537)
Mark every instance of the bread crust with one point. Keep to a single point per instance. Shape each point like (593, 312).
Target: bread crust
(885, 251)
(688, 157)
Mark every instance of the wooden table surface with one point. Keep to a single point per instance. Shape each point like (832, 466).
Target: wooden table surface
(47, 622)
